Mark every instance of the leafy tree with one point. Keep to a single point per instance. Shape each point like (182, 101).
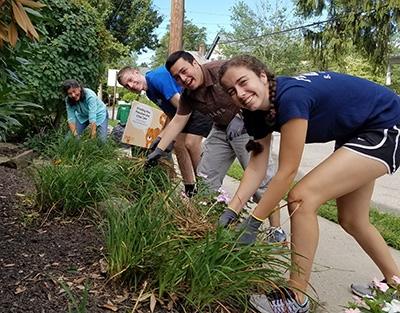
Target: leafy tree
(369, 25)
(14, 20)
(72, 47)
(132, 22)
(14, 16)
(192, 37)
(261, 33)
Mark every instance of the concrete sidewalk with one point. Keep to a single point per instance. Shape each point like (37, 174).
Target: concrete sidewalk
(339, 261)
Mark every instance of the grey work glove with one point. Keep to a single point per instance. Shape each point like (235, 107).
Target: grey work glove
(249, 230)
(152, 158)
(227, 217)
(235, 128)
(154, 144)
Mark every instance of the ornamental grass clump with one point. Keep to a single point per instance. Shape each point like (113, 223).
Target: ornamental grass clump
(176, 248)
(214, 271)
(140, 236)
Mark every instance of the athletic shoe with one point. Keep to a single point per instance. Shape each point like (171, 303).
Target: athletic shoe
(364, 290)
(279, 301)
(276, 234)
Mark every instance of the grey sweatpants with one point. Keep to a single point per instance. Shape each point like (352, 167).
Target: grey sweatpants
(219, 154)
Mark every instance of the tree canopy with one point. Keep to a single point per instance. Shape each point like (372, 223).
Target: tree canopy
(192, 37)
(261, 33)
(131, 22)
(368, 25)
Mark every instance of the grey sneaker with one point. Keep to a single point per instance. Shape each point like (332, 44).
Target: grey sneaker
(279, 301)
(364, 290)
(276, 234)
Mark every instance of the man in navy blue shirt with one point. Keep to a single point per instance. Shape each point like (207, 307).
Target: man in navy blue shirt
(163, 90)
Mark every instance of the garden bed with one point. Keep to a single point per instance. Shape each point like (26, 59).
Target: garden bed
(37, 260)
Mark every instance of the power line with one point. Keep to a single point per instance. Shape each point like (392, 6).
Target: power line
(279, 32)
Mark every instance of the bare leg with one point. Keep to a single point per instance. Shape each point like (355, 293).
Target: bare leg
(184, 160)
(193, 146)
(353, 216)
(343, 173)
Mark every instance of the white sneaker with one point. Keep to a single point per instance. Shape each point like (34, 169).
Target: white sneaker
(279, 301)
(276, 234)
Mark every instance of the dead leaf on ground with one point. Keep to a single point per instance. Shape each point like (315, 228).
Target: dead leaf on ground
(153, 302)
(19, 290)
(110, 306)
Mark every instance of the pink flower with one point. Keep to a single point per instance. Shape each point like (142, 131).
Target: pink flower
(352, 310)
(396, 279)
(223, 196)
(381, 286)
(358, 301)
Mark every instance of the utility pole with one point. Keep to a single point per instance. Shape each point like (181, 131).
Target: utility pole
(176, 25)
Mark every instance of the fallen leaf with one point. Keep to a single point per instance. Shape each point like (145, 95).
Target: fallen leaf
(153, 302)
(19, 290)
(110, 306)
(79, 280)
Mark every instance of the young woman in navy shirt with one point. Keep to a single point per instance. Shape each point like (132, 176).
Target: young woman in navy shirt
(364, 120)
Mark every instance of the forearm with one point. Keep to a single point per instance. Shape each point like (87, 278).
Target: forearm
(72, 128)
(249, 184)
(93, 129)
(277, 188)
(172, 130)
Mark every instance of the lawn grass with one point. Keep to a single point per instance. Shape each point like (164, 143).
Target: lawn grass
(388, 224)
(236, 171)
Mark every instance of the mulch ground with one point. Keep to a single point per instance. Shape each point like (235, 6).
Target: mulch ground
(39, 256)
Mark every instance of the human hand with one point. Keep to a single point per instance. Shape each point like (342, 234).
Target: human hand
(152, 158)
(249, 230)
(235, 128)
(227, 217)
(154, 144)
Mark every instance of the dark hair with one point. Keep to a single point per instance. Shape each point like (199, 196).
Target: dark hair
(258, 67)
(72, 83)
(173, 57)
(123, 71)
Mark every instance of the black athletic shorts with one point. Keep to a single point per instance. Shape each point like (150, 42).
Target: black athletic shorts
(198, 124)
(379, 144)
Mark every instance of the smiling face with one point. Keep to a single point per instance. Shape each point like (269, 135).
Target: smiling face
(246, 88)
(134, 81)
(74, 93)
(187, 75)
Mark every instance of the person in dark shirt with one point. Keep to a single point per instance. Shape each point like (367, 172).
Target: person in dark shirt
(364, 120)
(228, 137)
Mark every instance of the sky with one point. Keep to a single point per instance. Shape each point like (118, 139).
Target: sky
(211, 14)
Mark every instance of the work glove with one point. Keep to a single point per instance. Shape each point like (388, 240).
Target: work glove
(169, 148)
(227, 217)
(152, 158)
(235, 128)
(249, 230)
(154, 144)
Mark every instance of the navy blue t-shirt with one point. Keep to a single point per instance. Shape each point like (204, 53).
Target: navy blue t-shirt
(337, 106)
(161, 87)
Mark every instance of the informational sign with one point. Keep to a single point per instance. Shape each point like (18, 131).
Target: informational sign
(144, 125)
(112, 78)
